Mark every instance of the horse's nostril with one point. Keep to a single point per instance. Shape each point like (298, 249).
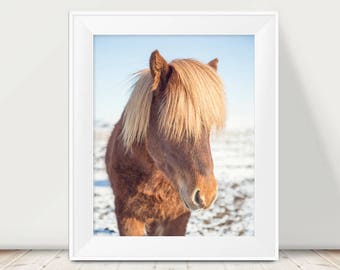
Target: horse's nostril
(197, 198)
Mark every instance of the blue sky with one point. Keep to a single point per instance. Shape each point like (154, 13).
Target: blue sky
(116, 58)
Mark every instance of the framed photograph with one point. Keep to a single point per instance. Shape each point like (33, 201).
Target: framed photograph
(173, 135)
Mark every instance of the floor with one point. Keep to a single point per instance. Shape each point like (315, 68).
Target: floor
(58, 259)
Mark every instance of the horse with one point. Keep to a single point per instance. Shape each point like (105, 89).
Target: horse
(158, 157)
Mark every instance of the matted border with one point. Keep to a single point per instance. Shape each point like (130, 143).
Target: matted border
(83, 244)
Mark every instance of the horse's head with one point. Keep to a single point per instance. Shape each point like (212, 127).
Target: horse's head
(187, 102)
(188, 164)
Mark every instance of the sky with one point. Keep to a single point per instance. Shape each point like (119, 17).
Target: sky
(117, 58)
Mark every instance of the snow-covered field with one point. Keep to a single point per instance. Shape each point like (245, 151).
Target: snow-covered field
(233, 212)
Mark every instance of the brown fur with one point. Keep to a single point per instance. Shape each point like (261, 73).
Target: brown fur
(156, 179)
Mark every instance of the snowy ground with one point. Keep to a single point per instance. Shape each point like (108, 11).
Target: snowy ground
(233, 212)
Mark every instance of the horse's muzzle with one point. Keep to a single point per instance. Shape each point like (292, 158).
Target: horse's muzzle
(200, 200)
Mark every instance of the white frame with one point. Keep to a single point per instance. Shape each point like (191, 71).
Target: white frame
(83, 245)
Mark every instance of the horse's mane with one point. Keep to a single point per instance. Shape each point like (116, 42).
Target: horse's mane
(194, 100)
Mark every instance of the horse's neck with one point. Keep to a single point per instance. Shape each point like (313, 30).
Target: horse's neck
(140, 155)
(136, 157)
(154, 180)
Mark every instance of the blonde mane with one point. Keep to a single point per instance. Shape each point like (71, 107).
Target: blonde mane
(194, 100)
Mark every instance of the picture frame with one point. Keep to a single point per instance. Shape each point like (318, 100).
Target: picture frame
(83, 244)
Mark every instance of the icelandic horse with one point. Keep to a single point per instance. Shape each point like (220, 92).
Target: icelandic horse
(158, 157)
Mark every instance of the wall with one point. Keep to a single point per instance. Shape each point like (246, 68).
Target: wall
(33, 116)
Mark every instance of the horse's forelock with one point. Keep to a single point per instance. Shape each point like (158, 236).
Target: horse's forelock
(194, 101)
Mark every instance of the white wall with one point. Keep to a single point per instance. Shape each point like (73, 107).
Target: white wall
(33, 116)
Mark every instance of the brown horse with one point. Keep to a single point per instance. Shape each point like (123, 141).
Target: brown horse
(158, 157)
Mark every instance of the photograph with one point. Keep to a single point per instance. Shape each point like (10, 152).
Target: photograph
(173, 135)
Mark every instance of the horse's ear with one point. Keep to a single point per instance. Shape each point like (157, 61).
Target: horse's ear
(159, 69)
(213, 63)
